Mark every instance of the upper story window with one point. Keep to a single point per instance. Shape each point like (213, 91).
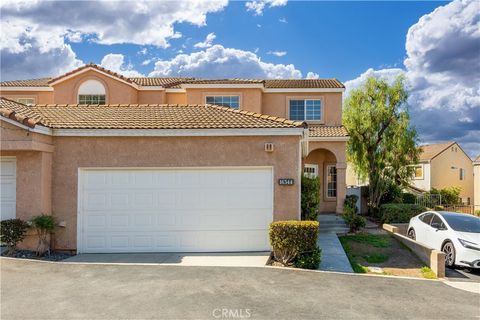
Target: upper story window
(306, 109)
(27, 101)
(462, 174)
(418, 172)
(226, 101)
(91, 92)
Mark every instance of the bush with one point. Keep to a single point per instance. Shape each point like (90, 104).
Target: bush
(477, 213)
(310, 198)
(393, 194)
(399, 212)
(450, 196)
(439, 208)
(408, 197)
(291, 238)
(350, 214)
(12, 231)
(44, 226)
(308, 260)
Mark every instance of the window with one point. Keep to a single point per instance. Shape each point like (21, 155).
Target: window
(427, 217)
(91, 92)
(226, 101)
(26, 101)
(331, 181)
(310, 170)
(91, 99)
(437, 223)
(462, 174)
(306, 109)
(418, 172)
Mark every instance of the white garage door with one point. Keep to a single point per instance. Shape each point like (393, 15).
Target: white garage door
(175, 210)
(8, 189)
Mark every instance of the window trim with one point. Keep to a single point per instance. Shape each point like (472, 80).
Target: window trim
(461, 174)
(24, 98)
(322, 107)
(226, 94)
(414, 172)
(327, 167)
(311, 166)
(78, 99)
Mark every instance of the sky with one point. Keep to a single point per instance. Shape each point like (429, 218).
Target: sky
(436, 45)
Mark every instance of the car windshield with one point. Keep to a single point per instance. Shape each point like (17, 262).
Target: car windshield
(463, 222)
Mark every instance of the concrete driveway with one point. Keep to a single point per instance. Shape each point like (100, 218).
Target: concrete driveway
(38, 290)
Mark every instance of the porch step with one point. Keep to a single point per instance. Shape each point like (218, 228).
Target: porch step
(332, 223)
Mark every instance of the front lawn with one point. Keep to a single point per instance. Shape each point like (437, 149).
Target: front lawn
(376, 251)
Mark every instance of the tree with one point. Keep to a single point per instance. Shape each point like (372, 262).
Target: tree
(382, 143)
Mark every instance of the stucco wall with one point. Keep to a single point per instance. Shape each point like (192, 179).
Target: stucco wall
(276, 104)
(116, 91)
(151, 97)
(41, 97)
(72, 153)
(445, 171)
(176, 98)
(425, 182)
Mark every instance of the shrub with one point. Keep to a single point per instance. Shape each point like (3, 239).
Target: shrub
(399, 212)
(393, 194)
(350, 214)
(308, 260)
(12, 231)
(450, 196)
(291, 238)
(44, 226)
(477, 213)
(310, 198)
(439, 208)
(408, 197)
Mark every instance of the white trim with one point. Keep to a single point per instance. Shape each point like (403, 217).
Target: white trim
(151, 88)
(175, 90)
(96, 70)
(289, 99)
(326, 181)
(313, 139)
(311, 166)
(38, 128)
(227, 94)
(222, 86)
(26, 89)
(298, 90)
(177, 132)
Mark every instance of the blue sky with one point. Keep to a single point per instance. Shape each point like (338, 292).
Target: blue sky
(435, 45)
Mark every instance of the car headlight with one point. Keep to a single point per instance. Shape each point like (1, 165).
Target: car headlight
(469, 244)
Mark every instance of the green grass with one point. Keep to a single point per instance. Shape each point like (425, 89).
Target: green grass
(357, 267)
(375, 240)
(376, 258)
(428, 273)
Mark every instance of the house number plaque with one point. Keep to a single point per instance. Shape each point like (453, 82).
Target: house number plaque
(286, 182)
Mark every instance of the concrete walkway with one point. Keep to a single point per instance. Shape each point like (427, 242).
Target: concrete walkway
(333, 255)
(238, 259)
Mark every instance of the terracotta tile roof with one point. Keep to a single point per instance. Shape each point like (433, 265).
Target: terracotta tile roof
(430, 151)
(327, 131)
(304, 83)
(157, 81)
(95, 66)
(19, 112)
(41, 82)
(144, 117)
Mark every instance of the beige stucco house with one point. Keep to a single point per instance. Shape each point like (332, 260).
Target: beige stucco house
(476, 183)
(444, 165)
(167, 164)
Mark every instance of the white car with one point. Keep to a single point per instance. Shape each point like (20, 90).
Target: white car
(456, 234)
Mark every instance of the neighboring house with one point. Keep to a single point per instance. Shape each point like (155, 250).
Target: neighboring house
(445, 165)
(476, 183)
(144, 164)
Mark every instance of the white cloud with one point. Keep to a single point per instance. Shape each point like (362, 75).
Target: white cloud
(387, 74)
(116, 63)
(258, 6)
(220, 62)
(312, 75)
(443, 74)
(283, 20)
(277, 53)
(207, 42)
(33, 34)
(146, 62)
(143, 51)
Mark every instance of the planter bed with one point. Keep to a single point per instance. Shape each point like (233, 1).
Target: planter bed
(27, 254)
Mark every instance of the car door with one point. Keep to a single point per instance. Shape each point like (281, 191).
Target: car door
(423, 227)
(436, 232)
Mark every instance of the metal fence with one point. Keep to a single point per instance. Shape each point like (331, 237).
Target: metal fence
(468, 209)
(429, 200)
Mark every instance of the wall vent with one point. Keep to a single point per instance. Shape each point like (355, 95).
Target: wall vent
(268, 147)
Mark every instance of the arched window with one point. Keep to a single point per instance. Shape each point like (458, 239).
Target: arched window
(91, 92)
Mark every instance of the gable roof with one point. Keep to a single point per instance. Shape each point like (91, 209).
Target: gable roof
(176, 82)
(136, 116)
(327, 131)
(430, 151)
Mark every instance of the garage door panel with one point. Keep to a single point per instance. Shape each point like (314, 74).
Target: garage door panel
(198, 210)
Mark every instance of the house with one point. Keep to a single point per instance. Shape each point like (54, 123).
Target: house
(476, 183)
(444, 165)
(167, 164)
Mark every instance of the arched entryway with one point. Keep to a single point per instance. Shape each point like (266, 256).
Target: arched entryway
(323, 163)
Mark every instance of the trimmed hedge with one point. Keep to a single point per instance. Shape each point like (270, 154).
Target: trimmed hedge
(290, 239)
(12, 231)
(399, 212)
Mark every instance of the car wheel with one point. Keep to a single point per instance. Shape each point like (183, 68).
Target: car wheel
(449, 251)
(411, 234)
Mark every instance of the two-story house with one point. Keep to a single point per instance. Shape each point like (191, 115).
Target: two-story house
(167, 164)
(445, 165)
